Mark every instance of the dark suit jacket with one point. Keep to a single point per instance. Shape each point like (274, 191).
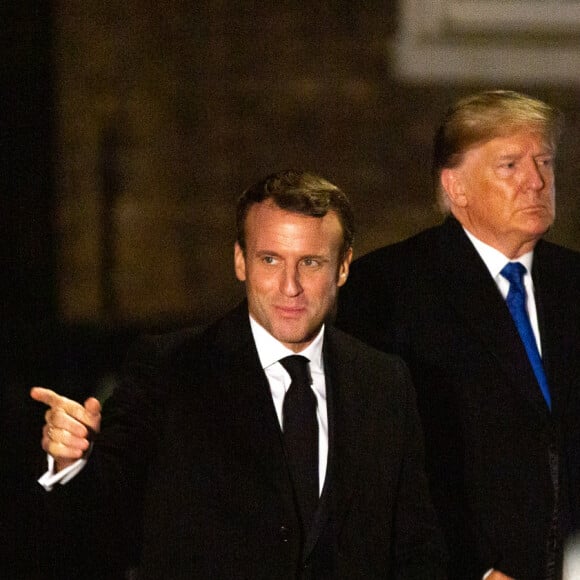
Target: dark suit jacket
(195, 422)
(493, 449)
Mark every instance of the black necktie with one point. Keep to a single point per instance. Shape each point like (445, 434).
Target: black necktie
(516, 301)
(301, 436)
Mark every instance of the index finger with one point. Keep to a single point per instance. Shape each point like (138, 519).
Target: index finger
(56, 401)
(46, 396)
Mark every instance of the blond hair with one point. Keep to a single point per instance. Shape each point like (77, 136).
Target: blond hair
(484, 116)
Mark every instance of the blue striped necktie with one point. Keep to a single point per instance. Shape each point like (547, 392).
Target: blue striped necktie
(516, 302)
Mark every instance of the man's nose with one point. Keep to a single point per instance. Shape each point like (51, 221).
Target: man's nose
(535, 178)
(291, 282)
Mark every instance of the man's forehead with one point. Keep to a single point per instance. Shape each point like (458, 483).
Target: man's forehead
(516, 143)
(267, 211)
(271, 228)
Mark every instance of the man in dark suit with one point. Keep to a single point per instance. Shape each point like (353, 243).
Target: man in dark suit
(201, 429)
(501, 441)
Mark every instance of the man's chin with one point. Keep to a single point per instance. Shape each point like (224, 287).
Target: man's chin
(538, 223)
(298, 337)
(542, 229)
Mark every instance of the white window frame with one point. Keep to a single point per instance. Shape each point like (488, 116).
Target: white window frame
(501, 41)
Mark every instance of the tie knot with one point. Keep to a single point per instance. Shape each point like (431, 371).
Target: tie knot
(514, 272)
(297, 367)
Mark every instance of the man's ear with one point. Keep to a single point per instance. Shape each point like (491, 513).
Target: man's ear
(239, 262)
(344, 268)
(452, 182)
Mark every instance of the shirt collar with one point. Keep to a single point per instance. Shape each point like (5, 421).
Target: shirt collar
(494, 259)
(271, 350)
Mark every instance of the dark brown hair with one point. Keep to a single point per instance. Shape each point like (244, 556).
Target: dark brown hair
(299, 192)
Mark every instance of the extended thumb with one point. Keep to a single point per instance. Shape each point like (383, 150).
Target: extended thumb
(92, 406)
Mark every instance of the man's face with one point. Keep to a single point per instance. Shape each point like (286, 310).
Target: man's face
(504, 191)
(292, 269)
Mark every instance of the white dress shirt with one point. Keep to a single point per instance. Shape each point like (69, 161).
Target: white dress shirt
(495, 261)
(270, 352)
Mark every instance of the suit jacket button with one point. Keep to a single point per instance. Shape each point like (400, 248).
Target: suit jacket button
(284, 533)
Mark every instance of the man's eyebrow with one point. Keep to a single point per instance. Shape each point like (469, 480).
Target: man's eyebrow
(319, 257)
(509, 156)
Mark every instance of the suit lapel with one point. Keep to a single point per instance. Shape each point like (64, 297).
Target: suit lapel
(252, 415)
(344, 416)
(473, 295)
(555, 325)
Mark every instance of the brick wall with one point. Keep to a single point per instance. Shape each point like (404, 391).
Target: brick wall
(168, 110)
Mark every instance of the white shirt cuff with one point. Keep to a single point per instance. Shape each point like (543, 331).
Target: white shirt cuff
(50, 478)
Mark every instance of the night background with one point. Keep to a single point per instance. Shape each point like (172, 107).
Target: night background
(128, 130)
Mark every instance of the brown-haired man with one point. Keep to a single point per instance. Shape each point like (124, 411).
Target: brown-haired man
(200, 423)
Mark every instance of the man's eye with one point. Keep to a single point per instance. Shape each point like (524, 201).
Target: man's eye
(310, 262)
(268, 260)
